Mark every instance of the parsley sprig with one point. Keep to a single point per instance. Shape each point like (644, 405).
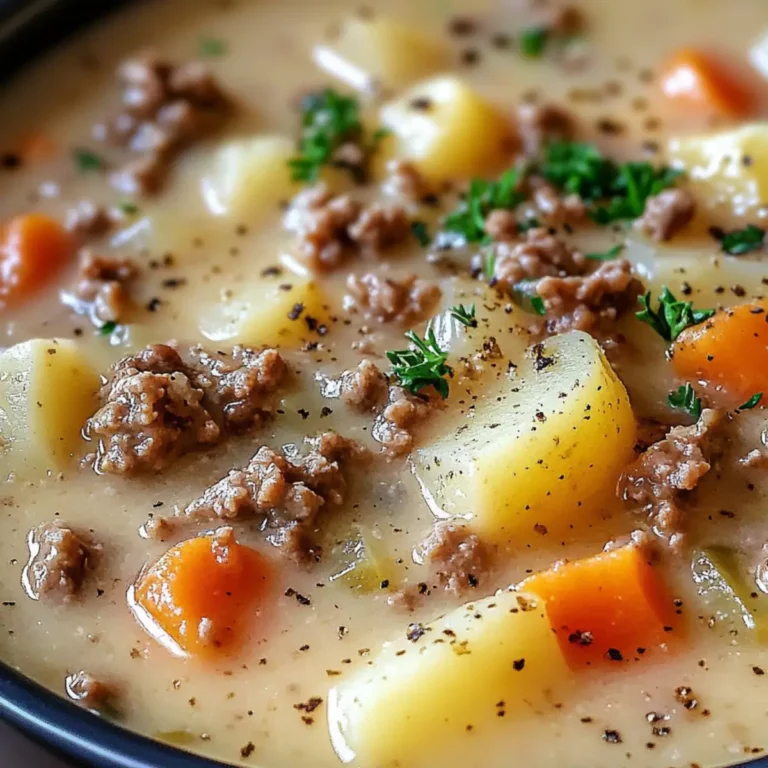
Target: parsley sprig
(615, 191)
(611, 253)
(671, 316)
(752, 402)
(525, 295)
(328, 121)
(684, 399)
(464, 315)
(468, 220)
(740, 241)
(421, 365)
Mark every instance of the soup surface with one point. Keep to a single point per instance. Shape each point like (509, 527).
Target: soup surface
(383, 385)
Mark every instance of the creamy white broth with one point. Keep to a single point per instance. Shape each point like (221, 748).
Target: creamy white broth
(296, 651)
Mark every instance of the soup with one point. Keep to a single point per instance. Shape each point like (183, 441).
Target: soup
(384, 385)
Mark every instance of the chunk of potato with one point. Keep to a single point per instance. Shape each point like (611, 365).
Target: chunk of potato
(47, 390)
(250, 176)
(546, 451)
(447, 130)
(280, 312)
(424, 689)
(717, 173)
(381, 50)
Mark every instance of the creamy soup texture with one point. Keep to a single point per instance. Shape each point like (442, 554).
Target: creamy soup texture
(383, 385)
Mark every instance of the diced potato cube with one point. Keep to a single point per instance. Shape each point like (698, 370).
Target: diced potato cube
(717, 173)
(546, 451)
(47, 391)
(250, 176)
(423, 689)
(276, 312)
(381, 50)
(447, 130)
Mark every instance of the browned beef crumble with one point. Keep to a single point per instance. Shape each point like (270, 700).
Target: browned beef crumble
(166, 106)
(667, 213)
(661, 479)
(102, 290)
(501, 225)
(459, 558)
(289, 490)
(388, 299)
(541, 123)
(87, 219)
(87, 690)
(329, 227)
(406, 181)
(157, 407)
(394, 427)
(554, 208)
(59, 560)
(365, 388)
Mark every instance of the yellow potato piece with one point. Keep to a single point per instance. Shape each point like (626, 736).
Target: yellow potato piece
(716, 171)
(447, 130)
(47, 391)
(283, 311)
(546, 451)
(419, 695)
(250, 176)
(381, 50)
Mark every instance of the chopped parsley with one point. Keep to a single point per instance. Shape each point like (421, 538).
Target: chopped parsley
(489, 264)
(533, 41)
(524, 294)
(468, 220)
(211, 46)
(611, 253)
(684, 399)
(108, 328)
(328, 121)
(740, 241)
(464, 315)
(421, 365)
(615, 191)
(128, 208)
(87, 161)
(752, 402)
(421, 233)
(671, 317)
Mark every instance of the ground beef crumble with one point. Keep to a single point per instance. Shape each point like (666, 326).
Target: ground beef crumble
(663, 477)
(667, 213)
(460, 560)
(102, 290)
(540, 124)
(157, 407)
(289, 490)
(329, 227)
(87, 690)
(394, 427)
(391, 300)
(88, 219)
(59, 560)
(365, 388)
(166, 106)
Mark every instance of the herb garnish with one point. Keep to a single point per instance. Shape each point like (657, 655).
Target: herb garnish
(421, 233)
(671, 317)
(482, 198)
(328, 121)
(108, 328)
(533, 41)
(611, 253)
(422, 365)
(88, 161)
(464, 315)
(752, 402)
(211, 46)
(524, 294)
(684, 399)
(530, 223)
(581, 169)
(740, 241)
(128, 208)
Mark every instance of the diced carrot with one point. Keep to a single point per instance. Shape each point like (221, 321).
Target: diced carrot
(728, 351)
(608, 608)
(199, 597)
(32, 248)
(702, 83)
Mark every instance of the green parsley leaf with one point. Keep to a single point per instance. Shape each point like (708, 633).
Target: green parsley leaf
(211, 46)
(328, 121)
(752, 402)
(464, 315)
(127, 207)
(533, 41)
(684, 399)
(671, 317)
(108, 328)
(421, 365)
(379, 135)
(489, 264)
(468, 219)
(421, 233)
(88, 161)
(740, 241)
(611, 253)
(524, 294)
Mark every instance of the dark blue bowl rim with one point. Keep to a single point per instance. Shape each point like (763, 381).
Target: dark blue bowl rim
(27, 28)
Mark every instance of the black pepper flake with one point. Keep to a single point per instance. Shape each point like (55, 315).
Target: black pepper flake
(518, 665)
(609, 126)
(461, 26)
(580, 637)
(248, 749)
(612, 737)
(310, 705)
(415, 632)
(304, 413)
(541, 361)
(174, 282)
(614, 654)
(300, 599)
(271, 271)
(10, 161)
(420, 103)
(384, 584)
(296, 311)
(758, 671)
(686, 697)
(325, 411)
(662, 731)
(470, 56)
(153, 304)
(541, 529)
